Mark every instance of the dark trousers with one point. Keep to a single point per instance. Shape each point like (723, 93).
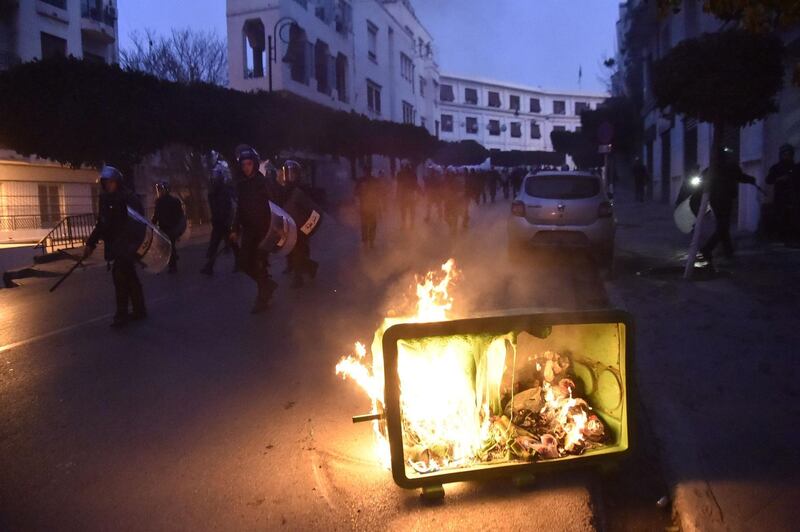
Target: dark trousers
(369, 228)
(173, 257)
(407, 212)
(219, 235)
(640, 186)
(127, 287)
(254, 262)
(722, 233)
(300, 258)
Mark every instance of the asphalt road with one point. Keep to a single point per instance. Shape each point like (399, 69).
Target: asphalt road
(205, 417)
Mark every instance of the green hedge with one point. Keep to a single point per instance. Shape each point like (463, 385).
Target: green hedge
(82, 113)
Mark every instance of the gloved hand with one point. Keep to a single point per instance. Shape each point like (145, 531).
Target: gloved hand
(87, 252)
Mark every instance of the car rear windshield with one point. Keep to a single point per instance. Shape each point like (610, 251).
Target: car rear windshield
(562, 186)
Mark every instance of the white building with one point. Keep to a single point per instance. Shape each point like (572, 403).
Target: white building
(373, 57)
(505, 116)
(35, 194)
(673, 144)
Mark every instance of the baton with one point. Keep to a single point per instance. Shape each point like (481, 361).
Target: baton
(64, 277)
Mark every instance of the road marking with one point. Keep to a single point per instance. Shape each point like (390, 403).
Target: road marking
(32, 339)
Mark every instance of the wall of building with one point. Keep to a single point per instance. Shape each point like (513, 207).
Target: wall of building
(343, 26)
(89, 30)
(545, 118)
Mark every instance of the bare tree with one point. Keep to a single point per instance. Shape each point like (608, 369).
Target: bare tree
(185, 56)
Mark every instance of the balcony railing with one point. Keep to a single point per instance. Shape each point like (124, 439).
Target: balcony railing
(99, 11)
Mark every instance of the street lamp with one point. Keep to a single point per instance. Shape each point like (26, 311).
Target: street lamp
(272, 43)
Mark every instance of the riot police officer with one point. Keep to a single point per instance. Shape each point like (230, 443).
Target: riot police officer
(170, 218)
(252, 221)
(220, 201)
(306, 215)
(113, 228)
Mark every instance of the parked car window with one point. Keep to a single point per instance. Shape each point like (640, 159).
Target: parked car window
(562, 186)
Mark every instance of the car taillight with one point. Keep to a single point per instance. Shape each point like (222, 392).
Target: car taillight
(605, 210)
(518, 208)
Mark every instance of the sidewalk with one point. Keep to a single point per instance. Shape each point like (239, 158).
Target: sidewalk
(717, 371)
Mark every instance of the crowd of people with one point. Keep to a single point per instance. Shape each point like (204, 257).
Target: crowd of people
(250, 215)
(444, 194)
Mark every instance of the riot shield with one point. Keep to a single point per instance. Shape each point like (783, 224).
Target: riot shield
(152, 247)
(304, 210)
(282, 235)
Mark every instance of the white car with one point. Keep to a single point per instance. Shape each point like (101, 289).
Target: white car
(563, 209)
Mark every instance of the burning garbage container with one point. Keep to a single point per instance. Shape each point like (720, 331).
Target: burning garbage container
(509, 394)
(513, 393)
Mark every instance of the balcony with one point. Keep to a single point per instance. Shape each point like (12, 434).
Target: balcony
(98, 20)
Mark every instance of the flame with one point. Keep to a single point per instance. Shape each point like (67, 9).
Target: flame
(450, 391)
(434, 303)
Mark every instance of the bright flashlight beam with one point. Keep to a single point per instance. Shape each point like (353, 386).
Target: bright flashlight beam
(695, 181)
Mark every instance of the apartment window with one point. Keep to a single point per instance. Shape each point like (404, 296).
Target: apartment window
(299, 53)
(49, 205)
(321, 66)
(513, 103)
(53, 46)
(93, 58)
(559, 107)
(516, 130)
(494, 128)
(341, 77)
(409, 115)
(422, 84)
(494, 99)
(343, 17)
(559, 128)
(374, 97)
(254, 44)
(447, 123)
(446, 93)
(536, 106)
(406, 68)
(536, 131)
(472, 125)
(471, 96)
(372, 42)
(581, 107)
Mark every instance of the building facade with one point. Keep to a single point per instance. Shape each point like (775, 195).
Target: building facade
(35, 194)
(504, 116)
(675, 145)
(373, 57)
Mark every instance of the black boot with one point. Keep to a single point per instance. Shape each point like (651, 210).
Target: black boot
(265, 291)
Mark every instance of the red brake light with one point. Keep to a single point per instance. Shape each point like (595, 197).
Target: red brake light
(518, 208)
(605, 210)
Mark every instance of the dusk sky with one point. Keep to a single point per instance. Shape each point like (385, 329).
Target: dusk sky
(531, 42)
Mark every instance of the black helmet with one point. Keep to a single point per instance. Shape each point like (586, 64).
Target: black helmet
(248, 153)
(162, 187)
(111, 174)
(290, 173)
(786, 148)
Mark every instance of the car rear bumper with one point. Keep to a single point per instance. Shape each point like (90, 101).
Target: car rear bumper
(598, 235)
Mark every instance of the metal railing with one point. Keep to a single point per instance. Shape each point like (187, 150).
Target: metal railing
(71, 232)
(99, 11)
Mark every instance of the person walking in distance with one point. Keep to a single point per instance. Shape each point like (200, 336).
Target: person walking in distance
(170, 218)
(251, 222)
(120, 250)
(785, 177)
(297, 202)
(221, 204)
(369, 207)
(407, 189)
(639, 178)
